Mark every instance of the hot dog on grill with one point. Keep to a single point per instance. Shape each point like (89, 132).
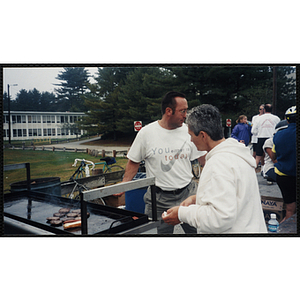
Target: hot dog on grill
(70, 221)
(72, 224)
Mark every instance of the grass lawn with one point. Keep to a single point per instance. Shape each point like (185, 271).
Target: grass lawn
(45, 164)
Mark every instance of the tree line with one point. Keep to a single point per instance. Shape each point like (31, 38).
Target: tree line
(121, 95)
(67, 96)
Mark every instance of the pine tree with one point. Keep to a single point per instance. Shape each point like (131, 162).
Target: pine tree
(22, 102)
(48, 102)
(140, 97)
(5, 101)
(72, 88)
(103, 101)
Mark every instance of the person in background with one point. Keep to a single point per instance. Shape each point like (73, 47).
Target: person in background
(254, 137)
(284, 150)
(264, 128)
(268, 171)
(228, 198)
(167, 150)
(242, 131)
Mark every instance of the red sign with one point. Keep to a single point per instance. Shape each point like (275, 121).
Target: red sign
(228, 122)
(137, 125)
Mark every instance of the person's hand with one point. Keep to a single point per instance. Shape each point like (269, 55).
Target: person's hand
(172, 216)
(188, 201)
(242, 141)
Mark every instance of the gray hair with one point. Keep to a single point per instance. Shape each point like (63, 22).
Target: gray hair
(205, 118)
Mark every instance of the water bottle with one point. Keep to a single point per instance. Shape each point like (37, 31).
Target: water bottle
(273, 224)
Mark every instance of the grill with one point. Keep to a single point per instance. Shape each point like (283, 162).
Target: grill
(33, 208)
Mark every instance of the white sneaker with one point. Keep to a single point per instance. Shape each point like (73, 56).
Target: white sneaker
(269, 182)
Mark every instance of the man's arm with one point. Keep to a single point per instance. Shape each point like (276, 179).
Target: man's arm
(235, 132)
(188, 201)
(218, 210)
(254, 129)
(271, 154)
(130, 171)
(172, 214)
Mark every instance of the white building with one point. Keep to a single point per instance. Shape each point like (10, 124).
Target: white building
(27, 125)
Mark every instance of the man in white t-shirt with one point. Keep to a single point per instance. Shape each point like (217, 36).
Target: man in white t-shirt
(254, 137)
(264, 128)
(167, 150)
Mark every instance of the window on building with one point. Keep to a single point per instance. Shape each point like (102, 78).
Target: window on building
(18, 119)
(66, 119)
(39, 132)
(64, 131)
(23, 119)
(44, 119)
(75, 119)
(19, 132)
(71, 119)
(29, 119)
(29, 132)
(73, 131)
(45, 132)
(33, 119)
(38, 119)
(24, 132)
(48, 119)
(14, 132)
(4, 132)
(13, 119)
(6, 119)
(58, 131)
(62, 119)
(52, 119)
(34, 132)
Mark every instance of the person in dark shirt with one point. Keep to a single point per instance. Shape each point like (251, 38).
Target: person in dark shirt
(284, 150)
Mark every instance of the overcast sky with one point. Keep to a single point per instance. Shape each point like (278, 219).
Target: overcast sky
(43, 79)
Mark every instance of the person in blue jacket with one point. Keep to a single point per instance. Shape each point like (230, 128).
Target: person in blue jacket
(242, 131)
(285, 151)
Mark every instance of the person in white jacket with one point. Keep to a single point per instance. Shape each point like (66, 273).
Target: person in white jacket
(264, 128)
(228, 198)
